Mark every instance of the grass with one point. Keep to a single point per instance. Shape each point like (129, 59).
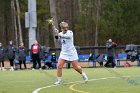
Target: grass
(27, 81)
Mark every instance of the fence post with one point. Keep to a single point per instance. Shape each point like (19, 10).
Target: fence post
(94, 64)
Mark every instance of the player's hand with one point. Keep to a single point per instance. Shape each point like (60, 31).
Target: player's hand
(56, 37)
(56, 31)
(114, 44)
(60, 34)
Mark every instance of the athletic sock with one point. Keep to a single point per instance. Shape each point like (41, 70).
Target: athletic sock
(59, 78)
(84, 76)
(83, 73)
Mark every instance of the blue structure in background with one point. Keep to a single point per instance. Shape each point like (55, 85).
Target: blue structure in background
(121, 57)
(85, 58)
(28, 58)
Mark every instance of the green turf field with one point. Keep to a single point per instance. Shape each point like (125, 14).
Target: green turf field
(102, 80)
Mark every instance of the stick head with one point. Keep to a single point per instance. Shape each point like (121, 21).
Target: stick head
(50, 21)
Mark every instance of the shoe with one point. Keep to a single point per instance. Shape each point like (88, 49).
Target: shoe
(85, 78)
(115, 67)
(40, 68)
(3, 69)
(57, 82)
(11, 69)
(33, 69)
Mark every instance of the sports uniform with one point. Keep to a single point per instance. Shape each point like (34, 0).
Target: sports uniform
(68, 51)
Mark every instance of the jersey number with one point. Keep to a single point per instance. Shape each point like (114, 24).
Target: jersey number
(64, 42)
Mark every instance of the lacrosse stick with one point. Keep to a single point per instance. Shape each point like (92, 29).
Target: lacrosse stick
(51, 21)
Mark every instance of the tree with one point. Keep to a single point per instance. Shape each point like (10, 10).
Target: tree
(54, 16)
(19, 23)
(14, 20)
(98, 8)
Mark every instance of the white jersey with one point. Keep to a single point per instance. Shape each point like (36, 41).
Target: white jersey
(68, 51)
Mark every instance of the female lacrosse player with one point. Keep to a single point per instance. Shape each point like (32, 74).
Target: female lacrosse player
(68, 53)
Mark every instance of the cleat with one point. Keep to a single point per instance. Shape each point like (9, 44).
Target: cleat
(11, 69)
(40, 68)
(4, 69)
(57, 82)
(85, 78)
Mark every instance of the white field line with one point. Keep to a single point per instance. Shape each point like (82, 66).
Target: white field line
(38, 89)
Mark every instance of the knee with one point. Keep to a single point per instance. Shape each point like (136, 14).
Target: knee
(59, 66)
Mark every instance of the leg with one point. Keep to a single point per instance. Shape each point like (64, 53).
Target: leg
(106, 64)
(79, 70)
(102, 64)
(76, 66)
(24, 62)
(34, 61)
(2, 63)
(60, 64)
(11, 64)
(108, 61)
(20, 63)
(39, 63)
(2, 67)
(34, 64)
(112, 61)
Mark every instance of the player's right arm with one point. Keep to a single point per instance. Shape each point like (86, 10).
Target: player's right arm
(66, 36)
